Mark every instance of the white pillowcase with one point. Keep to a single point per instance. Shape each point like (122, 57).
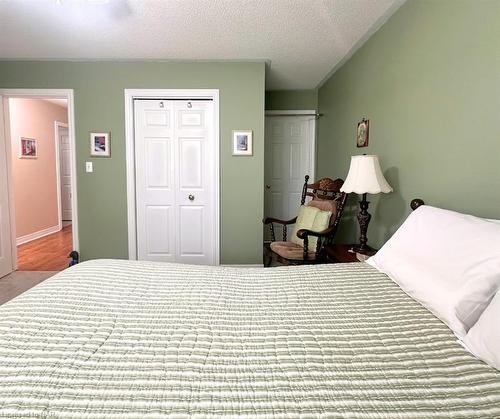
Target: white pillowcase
(474, 297)
(449, 262)
(483, 340)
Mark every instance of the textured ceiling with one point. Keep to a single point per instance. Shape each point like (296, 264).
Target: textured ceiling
(302, 40)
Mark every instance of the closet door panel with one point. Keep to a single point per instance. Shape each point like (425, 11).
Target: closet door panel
(155, 180)
(195, 179)
(191, 231)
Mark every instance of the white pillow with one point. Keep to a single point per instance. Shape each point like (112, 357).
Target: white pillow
(483, 340)
(474, 297)
(440, 258)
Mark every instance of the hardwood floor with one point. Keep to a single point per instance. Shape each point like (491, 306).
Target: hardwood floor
(50, 253)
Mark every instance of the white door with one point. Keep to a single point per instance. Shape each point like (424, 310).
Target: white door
(5, 231)
(65, 171)
(289, 156)
(174, 156)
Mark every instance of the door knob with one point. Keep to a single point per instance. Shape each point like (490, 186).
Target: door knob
(268, 186)
(191, 197)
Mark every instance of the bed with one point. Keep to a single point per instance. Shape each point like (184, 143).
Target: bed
(125, 339)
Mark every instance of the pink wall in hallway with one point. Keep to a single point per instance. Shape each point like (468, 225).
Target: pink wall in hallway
(35, 180)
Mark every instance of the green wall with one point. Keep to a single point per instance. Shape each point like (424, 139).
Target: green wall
(429, 81)
(99, 105)
(286, 100)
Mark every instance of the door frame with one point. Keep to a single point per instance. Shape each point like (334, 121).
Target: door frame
(67, 94)
(57, 126)
(166, 94)
(306, 112)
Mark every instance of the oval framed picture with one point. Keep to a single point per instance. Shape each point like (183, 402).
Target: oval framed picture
(363, 133)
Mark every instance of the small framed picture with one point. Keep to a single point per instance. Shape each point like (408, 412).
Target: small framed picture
(363, 133)
(242, 143)
(100, 144)
(28, 148)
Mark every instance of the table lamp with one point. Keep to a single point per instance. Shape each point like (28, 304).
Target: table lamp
(365, 177)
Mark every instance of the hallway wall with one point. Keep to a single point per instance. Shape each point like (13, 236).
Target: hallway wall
(34, 180)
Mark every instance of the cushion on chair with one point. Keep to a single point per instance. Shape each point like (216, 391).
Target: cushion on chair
(310, 218)
(325, 205)
(292, 251)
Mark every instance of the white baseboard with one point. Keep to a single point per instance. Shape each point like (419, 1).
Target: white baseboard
(250, 265)
(37, 235)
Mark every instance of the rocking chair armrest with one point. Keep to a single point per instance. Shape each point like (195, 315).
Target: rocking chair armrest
(270, 220)
(302, 233)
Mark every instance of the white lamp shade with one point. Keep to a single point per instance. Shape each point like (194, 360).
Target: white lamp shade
(365, 176)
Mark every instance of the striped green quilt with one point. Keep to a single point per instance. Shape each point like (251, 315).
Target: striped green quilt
(123, 339)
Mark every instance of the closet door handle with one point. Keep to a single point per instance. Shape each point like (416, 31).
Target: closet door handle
(191, 197)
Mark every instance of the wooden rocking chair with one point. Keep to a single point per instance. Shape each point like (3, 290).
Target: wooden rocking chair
(326, 196)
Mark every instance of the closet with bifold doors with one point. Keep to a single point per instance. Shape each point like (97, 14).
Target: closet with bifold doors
(175, 179)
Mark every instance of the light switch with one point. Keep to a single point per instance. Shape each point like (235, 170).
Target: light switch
(89, 167)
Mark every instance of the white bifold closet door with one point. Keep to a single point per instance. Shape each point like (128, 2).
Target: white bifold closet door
(174, 157)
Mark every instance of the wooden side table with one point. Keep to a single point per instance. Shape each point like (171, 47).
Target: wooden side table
(341, 253)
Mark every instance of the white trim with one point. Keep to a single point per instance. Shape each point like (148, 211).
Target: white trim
(130, 95)
(313, 150)
(42, 94)
(130, 163)
(58, 125)
(8, 151)
(72, 152)
(292, 113)
(37, 234)
(4, 148)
